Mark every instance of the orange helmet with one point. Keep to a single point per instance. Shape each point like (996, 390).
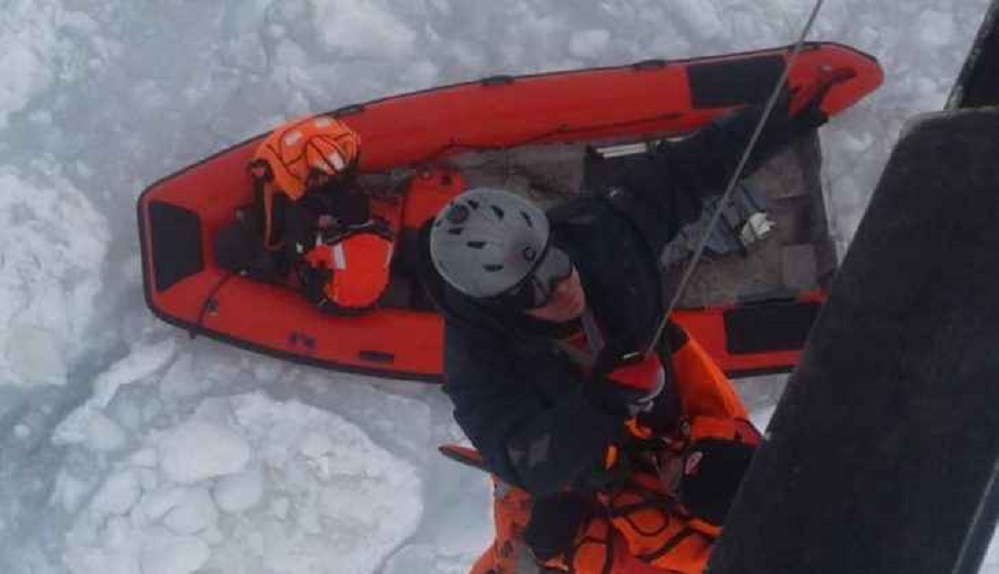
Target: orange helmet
(292, 155)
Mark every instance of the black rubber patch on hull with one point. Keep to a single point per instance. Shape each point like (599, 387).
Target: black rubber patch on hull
(176, 237)
(769, 327)
(742, 81)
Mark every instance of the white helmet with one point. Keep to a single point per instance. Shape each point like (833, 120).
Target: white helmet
(486, 241)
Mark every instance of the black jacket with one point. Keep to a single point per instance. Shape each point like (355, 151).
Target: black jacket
(516, 395)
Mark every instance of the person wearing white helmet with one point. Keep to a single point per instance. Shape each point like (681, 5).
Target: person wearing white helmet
(605, 459)
(493, 246)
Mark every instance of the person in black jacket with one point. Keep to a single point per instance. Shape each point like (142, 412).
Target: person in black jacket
(547, 316)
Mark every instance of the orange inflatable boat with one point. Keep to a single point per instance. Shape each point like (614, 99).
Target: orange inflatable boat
(535, 132)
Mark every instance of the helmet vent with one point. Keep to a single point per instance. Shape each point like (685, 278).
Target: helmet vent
(488, 241)
(457, 214)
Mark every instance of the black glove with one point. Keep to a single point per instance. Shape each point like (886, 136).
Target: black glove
(555, 522)
(676, 337)
(313, 282)
(712, 472)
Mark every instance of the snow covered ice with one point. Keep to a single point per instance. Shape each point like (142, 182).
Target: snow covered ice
(125, 447)
(193, 495)
(50, 272)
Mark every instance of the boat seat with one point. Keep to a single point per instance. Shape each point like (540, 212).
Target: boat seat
(238, 248)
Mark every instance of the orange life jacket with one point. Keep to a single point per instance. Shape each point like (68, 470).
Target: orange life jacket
(358, 269)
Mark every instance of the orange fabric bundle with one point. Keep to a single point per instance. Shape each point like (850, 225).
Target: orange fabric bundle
(359, 266)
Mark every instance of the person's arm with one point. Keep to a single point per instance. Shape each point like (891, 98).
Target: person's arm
(668, 188)
(543, 448)
(714, 152)
(299, 230)
(711, 155)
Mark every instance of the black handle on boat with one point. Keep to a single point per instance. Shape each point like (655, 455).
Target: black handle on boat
(347, 110)
(501, 80)
(653, 64)
(376, 356)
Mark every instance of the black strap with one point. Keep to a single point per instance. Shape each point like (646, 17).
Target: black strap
(649, 500)
(259, 181)
(669, 545)
(207, 304)
(595, 338)
(465, 456)
(607, 543)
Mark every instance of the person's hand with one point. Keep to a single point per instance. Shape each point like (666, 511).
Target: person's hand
(555, 522)
(642, 374)
(634, 382)
(712, 472)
